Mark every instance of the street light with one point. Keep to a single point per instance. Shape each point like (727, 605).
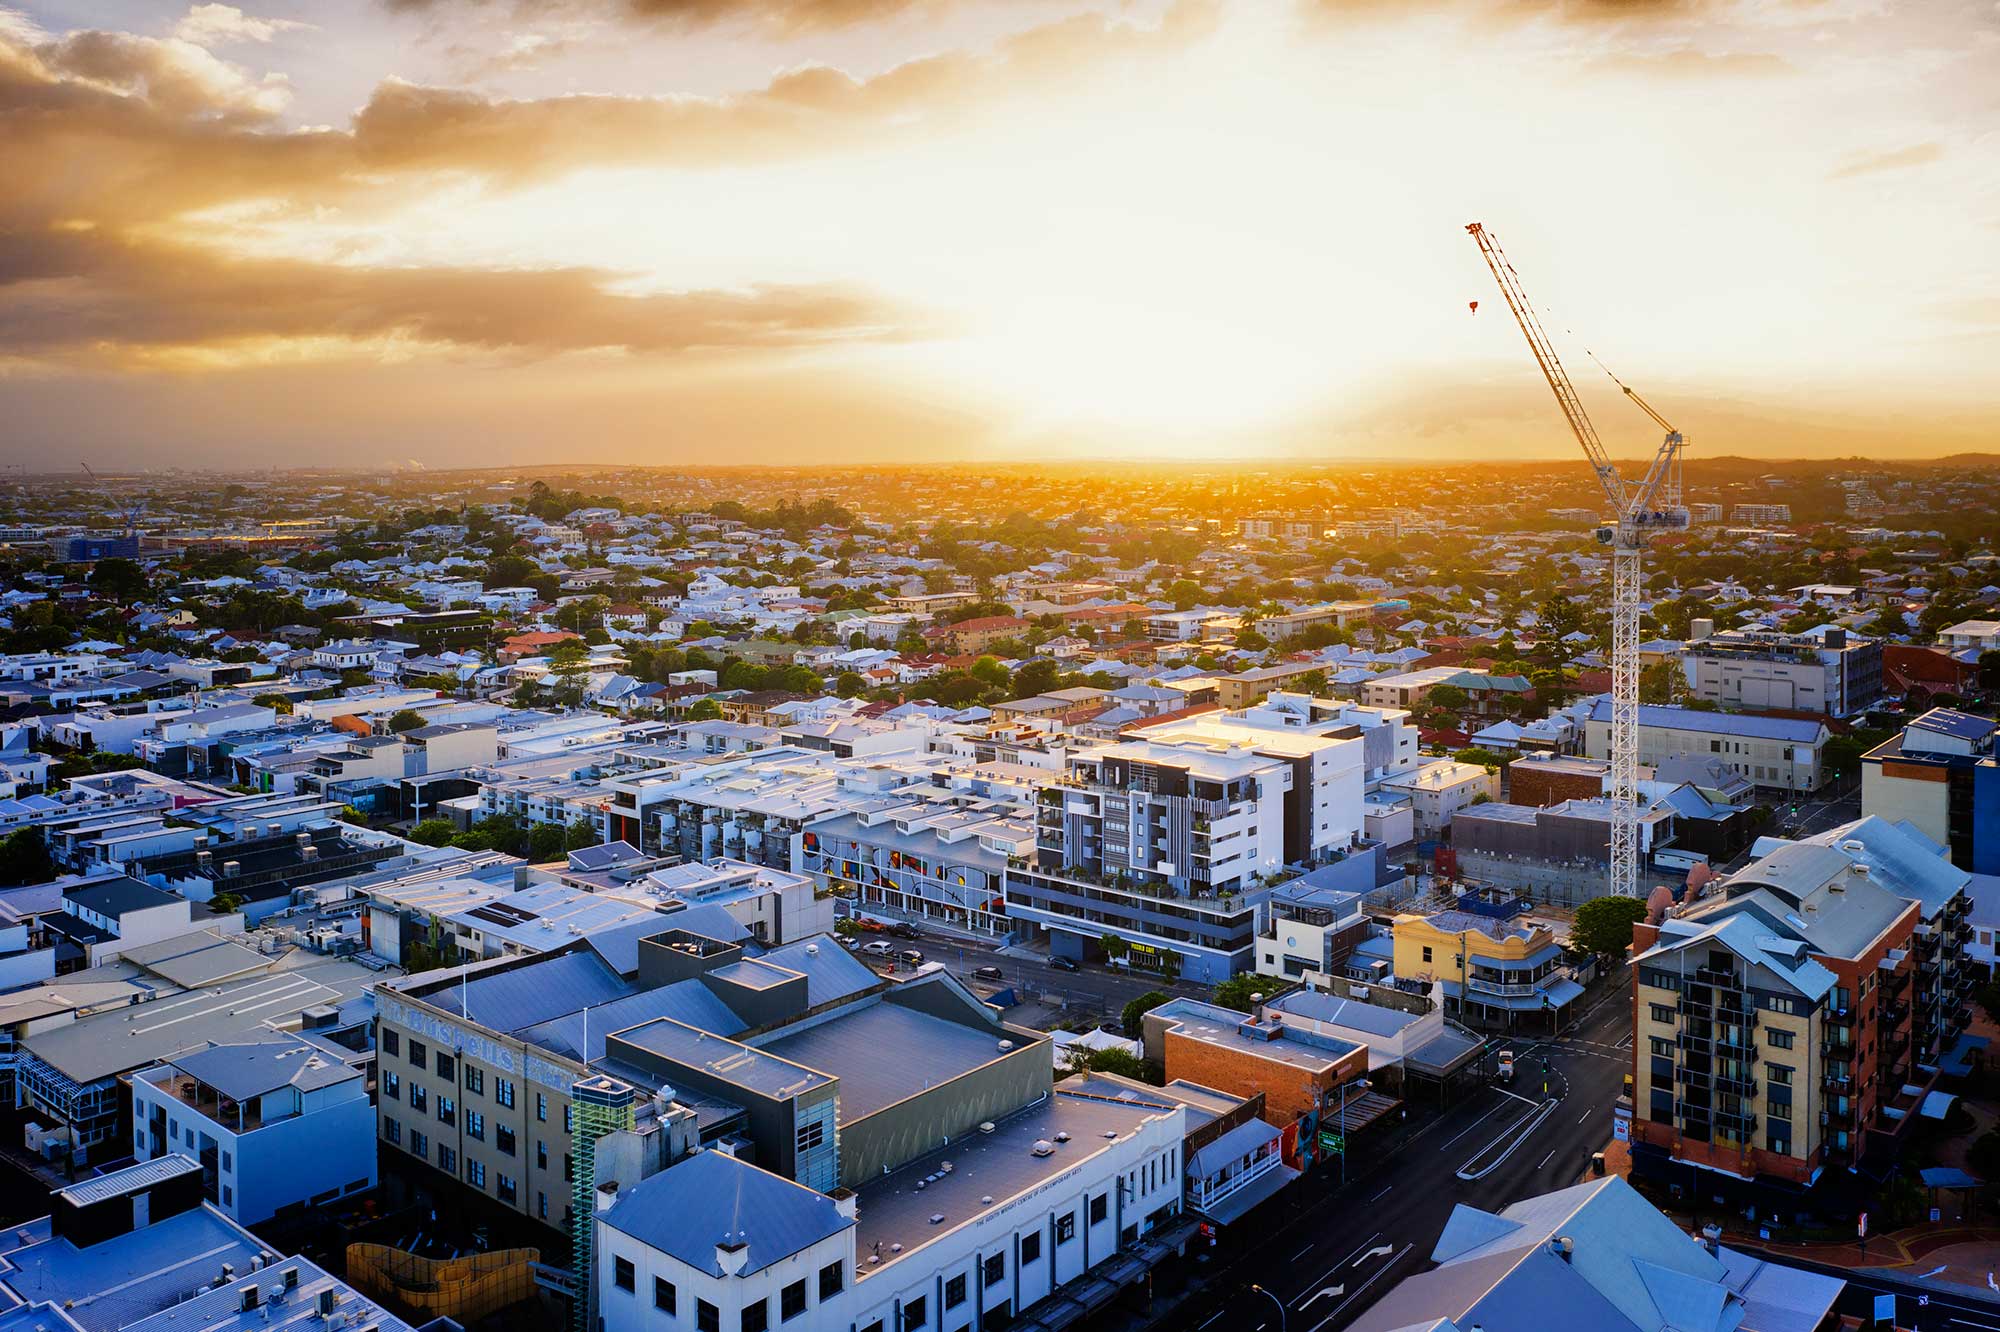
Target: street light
(1275, 1300)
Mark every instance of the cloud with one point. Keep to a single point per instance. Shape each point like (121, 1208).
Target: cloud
(1896, 159)
(177, 77)
(782, 16)
(74, 292)
(218, 25)
(1687, 62)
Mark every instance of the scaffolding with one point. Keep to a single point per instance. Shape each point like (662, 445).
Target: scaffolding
(604, 1106)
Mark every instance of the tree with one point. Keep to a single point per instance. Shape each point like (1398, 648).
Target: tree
(1604, 924)
(1236, 992)
(1660, 682)
(1119, 1063)
(1037, 677)
(119, 580)
(545, 842)
(1560, 617)
(851, 684)
(1448, 697)
(224, 903)
(579, 834)
(1485, 758)
(988, 671)
(1113, 946)
(405, 719)
(24, 858)
(1184, 593)
(704, 709)
(1137, 1009)
(433, 832)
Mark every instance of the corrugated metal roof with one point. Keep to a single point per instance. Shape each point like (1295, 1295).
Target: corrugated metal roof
(524, 996)
(688, 1001)
(712, 1198)
(129, 1180)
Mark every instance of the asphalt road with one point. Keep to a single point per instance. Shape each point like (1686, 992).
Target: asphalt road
(1328, 1250)
(1920, 1306)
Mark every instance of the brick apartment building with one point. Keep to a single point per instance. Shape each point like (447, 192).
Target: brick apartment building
(1293, 1066)
(1794, 1020)
(1545, 780)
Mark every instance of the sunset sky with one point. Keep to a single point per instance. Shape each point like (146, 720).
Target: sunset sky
(466, 232)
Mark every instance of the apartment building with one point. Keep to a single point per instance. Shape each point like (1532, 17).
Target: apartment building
(1825, 671)
(279, 1125)
(1779, 754)
(1942, 774)
(1163, 846)
(1971, 636)
(1793, 1021)
(923, 859)
(1493, 966)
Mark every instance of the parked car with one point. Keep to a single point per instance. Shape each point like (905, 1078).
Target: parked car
(911, 957)
(870, 924)
(986, 974)
(1064, 964)
(902, 929)
(878, 948)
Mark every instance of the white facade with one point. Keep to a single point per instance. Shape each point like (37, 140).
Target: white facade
(1438, 790)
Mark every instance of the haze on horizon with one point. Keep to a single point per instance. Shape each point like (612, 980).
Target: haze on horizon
(473, 232)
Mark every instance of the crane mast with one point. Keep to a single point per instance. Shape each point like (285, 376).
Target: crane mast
(1638, 511)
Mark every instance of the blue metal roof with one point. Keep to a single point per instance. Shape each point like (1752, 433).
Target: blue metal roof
(712, 1198)
(524, 996)
(1958, 725)
(689, 1001)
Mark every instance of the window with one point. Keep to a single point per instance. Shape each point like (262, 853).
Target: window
(475, 1173)
(447, 1067)
(913, 1314)
(447, 1110)
(569, 1168)
(622, 1274)
(228, 1163)
(1661, 1013)
(475, 1126)
(791, 1301)
(1066, 1227)
(1780, 1075)
(392, 1042)
(475, 1080)
(419, 1144)
(1098, 1206)
(994, 1270)
(541, 1155)
(663, 1294)
(1427, 952)
(541, 1107)
(569, 1118)
(503, 1092)
(954, 1291)
(228, 1196)
(832, 1278)
(811, 1135)
(392, 1086)
(509, 1188)
(392, 1130)
(447, 1160)
(419, 1098)
(417, 1053)
(1031, 1248)
(541, 1204)
(756, 1317)
(503, 1138)
(1779, 1038)
(707, 1318)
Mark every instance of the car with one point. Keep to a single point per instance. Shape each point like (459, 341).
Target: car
(902, 929)
(871, 925)
(1112, 1028)
(986, 974)
(910, 957)
(878, 948)
(1064, 964)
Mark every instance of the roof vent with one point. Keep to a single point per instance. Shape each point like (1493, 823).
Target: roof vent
(1861, 869)
(1042, 1147)
(812, 950)
(1005, 1046)
(986, 1126)
(937, 1218)
(1063, 1136)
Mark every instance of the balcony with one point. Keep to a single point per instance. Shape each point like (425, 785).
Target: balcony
(1832, 1117)
(1837, 1082)
(1503, 988)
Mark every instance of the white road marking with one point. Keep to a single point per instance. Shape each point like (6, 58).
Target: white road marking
(1362, 1287)
(1527, 1124)
(1545, 1160)
(1375, 1252)
(1383, 1194)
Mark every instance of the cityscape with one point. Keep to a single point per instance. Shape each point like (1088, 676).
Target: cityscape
(958, 666)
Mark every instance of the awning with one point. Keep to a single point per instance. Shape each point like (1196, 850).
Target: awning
(1247, 1197)
(1246, 1139)
(1937, 1105)
(1958, 1059)
(1948, 1177)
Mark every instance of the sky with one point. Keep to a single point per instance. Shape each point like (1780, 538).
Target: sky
(491, 232)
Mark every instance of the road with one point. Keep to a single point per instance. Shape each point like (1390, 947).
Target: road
(1920, 1306)
(1328, 1251)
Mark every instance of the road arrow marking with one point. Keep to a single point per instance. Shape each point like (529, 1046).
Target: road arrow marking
(1933, 1272)
(1375, 1252)
(1322, 1294)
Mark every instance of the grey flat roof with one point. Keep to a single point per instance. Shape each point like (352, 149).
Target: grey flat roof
(251, 1068)
(122, 1280)
(755, 1071)
(124, 1039)
(1000, 1165)
(883, 1053)
(115, 897)
(200, 958)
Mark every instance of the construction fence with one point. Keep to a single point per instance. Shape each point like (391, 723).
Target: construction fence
(464, 1289)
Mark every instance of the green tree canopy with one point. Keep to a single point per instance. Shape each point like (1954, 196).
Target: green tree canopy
(1138, 1008)
(433, 832)
(405, 719)
(1604, 924)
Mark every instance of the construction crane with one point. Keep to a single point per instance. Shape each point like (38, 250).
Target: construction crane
(1638, 510)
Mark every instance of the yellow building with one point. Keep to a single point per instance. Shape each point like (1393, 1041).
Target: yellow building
(1496, 971)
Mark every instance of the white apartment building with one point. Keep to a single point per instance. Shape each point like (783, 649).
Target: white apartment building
(1776, 753)
(1438, 790)
(279, 1125)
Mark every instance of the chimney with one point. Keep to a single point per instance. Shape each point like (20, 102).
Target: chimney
(1700, 629)
(847, 1203)
(521, 879)
(607, 1194)
(1711, 1239)
(732, 1255)
(1563, 1247)
(231, 868)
